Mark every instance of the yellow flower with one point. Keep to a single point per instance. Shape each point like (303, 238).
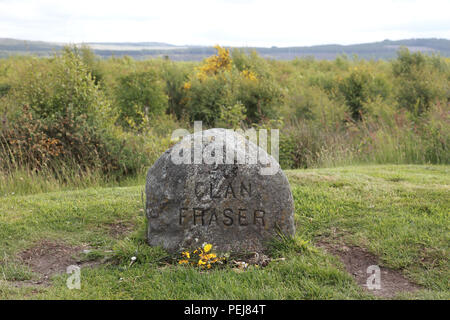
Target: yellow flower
(201, 262)
(248, 75)
(211, 255)
(207, 247)
(186, 254)
(183, 261)
(215, 64)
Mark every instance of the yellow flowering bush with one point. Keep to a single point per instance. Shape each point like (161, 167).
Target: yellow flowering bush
(221, 62)
(215, 64)
(201, 257)
(219, 84)
(187, 85)
(250, 75)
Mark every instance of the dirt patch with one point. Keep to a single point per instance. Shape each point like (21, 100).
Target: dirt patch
(119, 229)
(48, 258)
(357, 260)
(30, 283)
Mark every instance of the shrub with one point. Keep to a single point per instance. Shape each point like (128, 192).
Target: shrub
(219, 83)
(4, 89)
(256, 87)
(92, 62)
(70, 140)
(420, 81)
(140, 94)
(313, 104)
(36, 143)
(436, 134)
(66, 120)
(61, 86)
(232, 116)
(261, 97)
(206, 97)
(354, 87)
(175, 76)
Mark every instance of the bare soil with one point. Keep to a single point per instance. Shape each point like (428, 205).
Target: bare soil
(117, 230)
(47, 258)
(357, 260)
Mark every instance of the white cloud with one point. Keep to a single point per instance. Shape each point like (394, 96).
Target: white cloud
(236, 22)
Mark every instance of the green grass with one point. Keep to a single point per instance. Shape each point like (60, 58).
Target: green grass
(22, 182)
(399, 213)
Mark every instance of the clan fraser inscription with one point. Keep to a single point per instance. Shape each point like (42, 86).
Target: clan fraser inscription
(233, 206)
(208, 216)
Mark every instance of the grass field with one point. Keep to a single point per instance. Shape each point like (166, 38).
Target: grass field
(396, 214)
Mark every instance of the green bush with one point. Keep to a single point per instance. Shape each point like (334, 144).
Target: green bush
(232, 116)
(4, 89)
(314, 104)
(206, 98)
(60, 86)
(37, 143)
(92, 62)
(247, 81)
(354, 87)
(420, 81)
(66, 119)
(436, 134)
(140, 94)
(175, 76)
(261, 98)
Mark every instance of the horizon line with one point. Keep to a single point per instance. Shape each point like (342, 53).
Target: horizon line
(59, 43)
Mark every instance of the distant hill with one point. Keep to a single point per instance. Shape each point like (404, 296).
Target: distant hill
(143, 50)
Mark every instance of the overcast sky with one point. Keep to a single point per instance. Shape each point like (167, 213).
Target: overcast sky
(232, 22)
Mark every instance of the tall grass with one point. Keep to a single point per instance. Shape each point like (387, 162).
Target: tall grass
(27, 168)
(25, 181)
(394, 139)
